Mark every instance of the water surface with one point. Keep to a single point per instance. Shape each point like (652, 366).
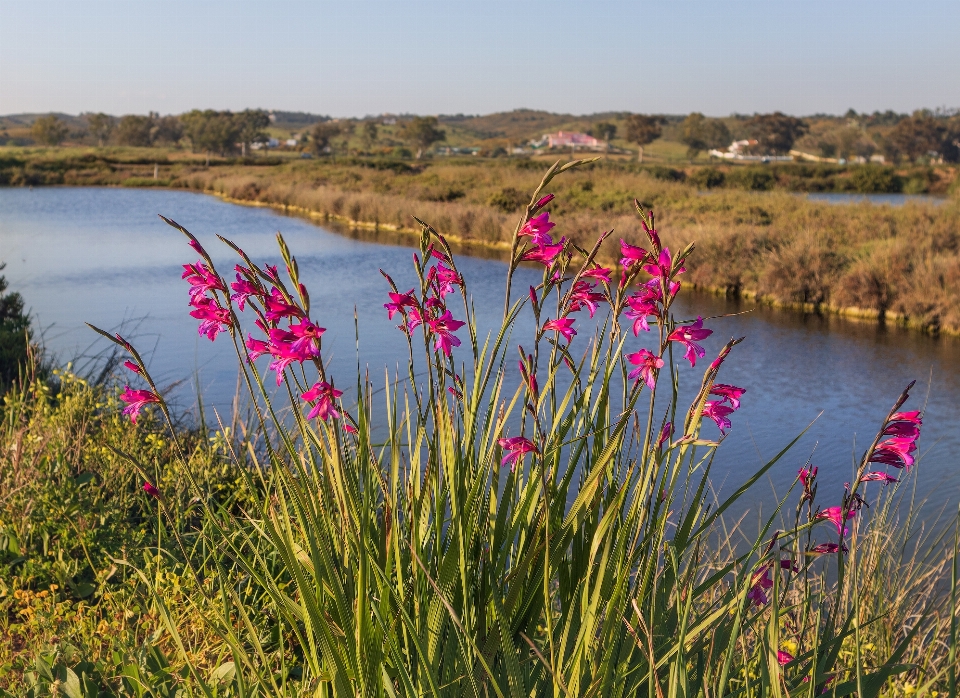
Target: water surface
(102, 255)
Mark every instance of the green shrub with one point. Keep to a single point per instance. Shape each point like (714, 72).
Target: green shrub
(707, 178)
(751, 178)
(873, 179)
(14, 331)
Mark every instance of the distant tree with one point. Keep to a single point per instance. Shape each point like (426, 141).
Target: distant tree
(134, 129)
(700, 133)
(604, 131)
(250, 124)
(323, 132)
(642, 130)
(775, 133)
(422, 132)
(369, 134)
(918, 135)
(100, 126)
(49, 130)
(210, 131)
(14, 325)
(166, 130)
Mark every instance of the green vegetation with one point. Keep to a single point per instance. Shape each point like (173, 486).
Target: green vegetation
(14, 335)
(389, 548)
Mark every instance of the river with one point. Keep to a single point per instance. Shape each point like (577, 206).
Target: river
(102, 255)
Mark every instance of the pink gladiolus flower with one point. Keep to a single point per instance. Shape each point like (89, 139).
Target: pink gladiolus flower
(807, 476)
(601, 273)
(730, 393)
(257, 348)
(514, 449)
(632, 254)
(214, 319)
(132, 366)
(904, 425)
(562, 325)
(784, 658)
(545, 254)
(538, 228)
(762, 581)
(151, 490)
(662, 269)
(444, 327)
(689, 335)
(201, 280)
(584, 294)
(244, 289)
(878, 477)
(533, 298)
(642, 304)
(836, 516)
(719, 412)
(298, 341)
(277, 307)
(446, 280)
(646, 364)
(399, 301)
(135, 400)
(414, 319)
(324, 394)
(896, 452)
(349, 428)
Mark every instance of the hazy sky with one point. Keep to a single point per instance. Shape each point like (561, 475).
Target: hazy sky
(351, 58)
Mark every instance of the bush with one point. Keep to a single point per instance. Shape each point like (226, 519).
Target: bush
(707, 178)
(14, 330)
(751, 178)
(666, 174)
(872, 179)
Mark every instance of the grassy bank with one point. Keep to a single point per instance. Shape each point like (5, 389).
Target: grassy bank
(898, 264)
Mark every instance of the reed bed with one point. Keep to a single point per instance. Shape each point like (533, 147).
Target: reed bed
(898, 264)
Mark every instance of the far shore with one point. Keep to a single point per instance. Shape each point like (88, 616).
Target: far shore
(899, 265)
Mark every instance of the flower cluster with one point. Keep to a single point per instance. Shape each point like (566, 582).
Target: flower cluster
(897, 451)
(544, 249)
(213, 317)
(440, 280)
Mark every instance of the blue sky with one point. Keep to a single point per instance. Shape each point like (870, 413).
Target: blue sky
(354, 57)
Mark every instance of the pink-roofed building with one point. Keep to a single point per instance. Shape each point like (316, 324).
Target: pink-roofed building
(568, 139)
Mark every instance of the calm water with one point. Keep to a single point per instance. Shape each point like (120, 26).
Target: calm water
(882, 199)
(103, 256)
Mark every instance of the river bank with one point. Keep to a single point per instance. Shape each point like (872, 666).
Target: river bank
(898, 265)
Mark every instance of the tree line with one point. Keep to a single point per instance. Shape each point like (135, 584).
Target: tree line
(924, 134)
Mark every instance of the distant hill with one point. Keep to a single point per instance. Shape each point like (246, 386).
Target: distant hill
(19, 121)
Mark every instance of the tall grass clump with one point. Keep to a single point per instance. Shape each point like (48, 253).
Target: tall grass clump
(479, 529)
